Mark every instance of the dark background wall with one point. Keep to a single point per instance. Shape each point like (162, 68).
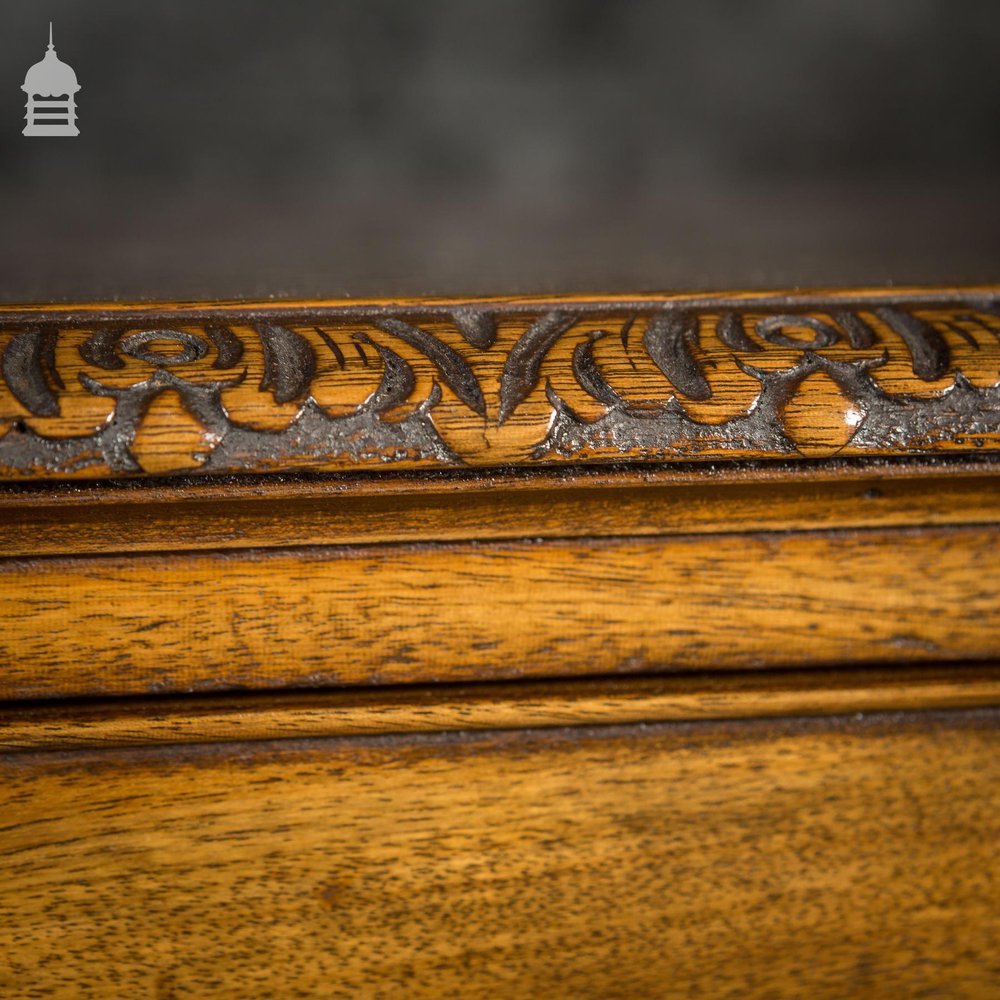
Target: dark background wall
(373, 147)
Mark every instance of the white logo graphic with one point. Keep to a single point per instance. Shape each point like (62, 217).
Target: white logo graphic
(51, 88)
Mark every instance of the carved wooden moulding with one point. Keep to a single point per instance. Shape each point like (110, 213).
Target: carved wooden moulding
(113, 391)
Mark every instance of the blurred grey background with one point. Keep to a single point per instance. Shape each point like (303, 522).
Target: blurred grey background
(385, 147)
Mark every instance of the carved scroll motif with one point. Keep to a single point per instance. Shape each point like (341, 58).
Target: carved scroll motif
(334, 387)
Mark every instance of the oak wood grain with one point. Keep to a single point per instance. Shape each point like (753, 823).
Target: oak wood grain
(70, 725)
(820, 858)
(424, 613)
(55, 519)
(263, 388)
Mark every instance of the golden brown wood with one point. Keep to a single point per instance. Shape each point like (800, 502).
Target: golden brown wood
(839, 856)
(452, 708)
(268, 387)
(388, 614)
(822, 858)
(203, 514)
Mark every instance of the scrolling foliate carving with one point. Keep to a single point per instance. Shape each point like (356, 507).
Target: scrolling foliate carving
(341, 386)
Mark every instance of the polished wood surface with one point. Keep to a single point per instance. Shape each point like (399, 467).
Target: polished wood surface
(554, 646)
(115, 517)
(420, 613)
(821, 858)
(289, 715)
(221, 388)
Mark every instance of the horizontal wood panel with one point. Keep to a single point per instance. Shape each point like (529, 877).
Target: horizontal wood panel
(406, 614)
(823, 858)
(287, 715)
(265, 388)
(202, 515)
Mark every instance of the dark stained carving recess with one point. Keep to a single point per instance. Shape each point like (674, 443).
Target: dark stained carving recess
(524, 363)
(450, 363)
(626, 331)
(397, 379)
(589, 375)
(668, 341)
(341, 387)
(30, 372)
(478, 326)
(927, 347)
(101, 349)
(731, 332)
(859, 333)
(772, 329)
(289, 362)
(183, 347)
(228, 347)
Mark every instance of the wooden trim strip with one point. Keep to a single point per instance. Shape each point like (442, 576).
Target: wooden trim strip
(444, 708)
(568, 503)
(339, 616)
(732, 298)
(361, 484)
(261, 388)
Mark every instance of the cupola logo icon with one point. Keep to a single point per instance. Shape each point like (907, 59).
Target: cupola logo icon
(51, 87)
